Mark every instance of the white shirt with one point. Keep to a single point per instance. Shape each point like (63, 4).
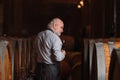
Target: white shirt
(48, 47)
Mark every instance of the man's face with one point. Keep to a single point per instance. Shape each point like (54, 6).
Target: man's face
(58, 27)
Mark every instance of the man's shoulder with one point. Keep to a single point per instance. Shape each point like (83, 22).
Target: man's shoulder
(44, 33)
(41, 32)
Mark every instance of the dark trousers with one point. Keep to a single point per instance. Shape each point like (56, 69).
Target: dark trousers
(48, 71)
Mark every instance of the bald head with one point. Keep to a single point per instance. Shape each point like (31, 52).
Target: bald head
(54, 21)
(56, 25)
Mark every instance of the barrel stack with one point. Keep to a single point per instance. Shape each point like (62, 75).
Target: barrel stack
(17, 59)
(72, 64)
(98, 56)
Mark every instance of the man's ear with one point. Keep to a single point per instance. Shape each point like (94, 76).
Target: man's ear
(55, 25)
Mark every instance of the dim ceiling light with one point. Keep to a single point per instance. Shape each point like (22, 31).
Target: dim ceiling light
(78, 6)
(81, 3)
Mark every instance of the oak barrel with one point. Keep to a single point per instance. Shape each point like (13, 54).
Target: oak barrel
(71, 66)
(114, 71)
(101, 58)
(68, 42)
(5, 61)
(15, 58)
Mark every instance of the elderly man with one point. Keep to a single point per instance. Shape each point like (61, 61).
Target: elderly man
(49, 52)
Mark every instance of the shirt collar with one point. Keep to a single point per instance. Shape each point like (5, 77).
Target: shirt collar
(50, 29)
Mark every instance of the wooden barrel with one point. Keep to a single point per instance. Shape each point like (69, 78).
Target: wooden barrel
(5, 62)
(114, 71)
(71, 66)
(101, 58)
(76, 72)
(20, 56)
(15, 58)
(75, 61)
(76, 65)
(65, 70)
(69, 42)
(85, 58)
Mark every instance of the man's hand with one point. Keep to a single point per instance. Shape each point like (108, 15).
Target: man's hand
(63, 51)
